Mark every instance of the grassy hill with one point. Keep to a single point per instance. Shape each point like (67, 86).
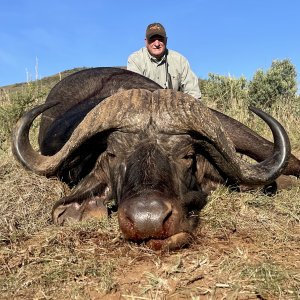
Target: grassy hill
(48, 82)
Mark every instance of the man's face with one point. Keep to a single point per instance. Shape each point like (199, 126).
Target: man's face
(156, 45)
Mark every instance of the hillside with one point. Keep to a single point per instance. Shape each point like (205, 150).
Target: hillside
(47, 82)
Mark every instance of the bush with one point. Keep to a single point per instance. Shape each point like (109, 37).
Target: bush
(278, 84)
(225, 92)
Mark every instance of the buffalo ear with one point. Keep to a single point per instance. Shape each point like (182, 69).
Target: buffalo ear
(207, 175)
(93, 207)
(88, 199)
(68, 213)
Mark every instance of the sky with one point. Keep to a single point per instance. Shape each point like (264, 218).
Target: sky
(39, 38)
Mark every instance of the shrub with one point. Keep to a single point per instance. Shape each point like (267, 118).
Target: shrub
(225, 92)
(278, 84)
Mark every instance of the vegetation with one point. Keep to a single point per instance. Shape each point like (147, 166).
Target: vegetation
(278, 84)
(247, 246)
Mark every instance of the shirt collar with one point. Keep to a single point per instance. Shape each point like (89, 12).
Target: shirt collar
(158, 60)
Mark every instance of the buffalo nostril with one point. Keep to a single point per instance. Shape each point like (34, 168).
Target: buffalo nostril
(167, 217)
(148, 216)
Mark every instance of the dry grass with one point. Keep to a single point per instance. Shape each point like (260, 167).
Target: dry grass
(247, 246)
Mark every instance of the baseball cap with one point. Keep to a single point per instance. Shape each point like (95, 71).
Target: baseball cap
(155, 29)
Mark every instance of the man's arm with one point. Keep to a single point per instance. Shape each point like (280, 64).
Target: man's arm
(189, 81)
(133, 64)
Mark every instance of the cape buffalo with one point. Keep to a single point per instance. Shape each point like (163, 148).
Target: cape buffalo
(117, 137)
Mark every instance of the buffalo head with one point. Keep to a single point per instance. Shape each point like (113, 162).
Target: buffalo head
(155, 156)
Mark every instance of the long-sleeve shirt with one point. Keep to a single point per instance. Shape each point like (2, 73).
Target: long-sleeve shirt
(180, 78)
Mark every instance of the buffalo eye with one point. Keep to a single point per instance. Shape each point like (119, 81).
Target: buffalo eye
(193, 214)
(111, 155)
(189, 156)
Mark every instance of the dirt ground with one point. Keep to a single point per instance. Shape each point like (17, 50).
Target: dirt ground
(246, 247)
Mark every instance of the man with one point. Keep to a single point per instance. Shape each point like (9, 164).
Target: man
(166, 67)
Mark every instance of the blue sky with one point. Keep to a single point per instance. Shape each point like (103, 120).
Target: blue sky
(39, 38)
